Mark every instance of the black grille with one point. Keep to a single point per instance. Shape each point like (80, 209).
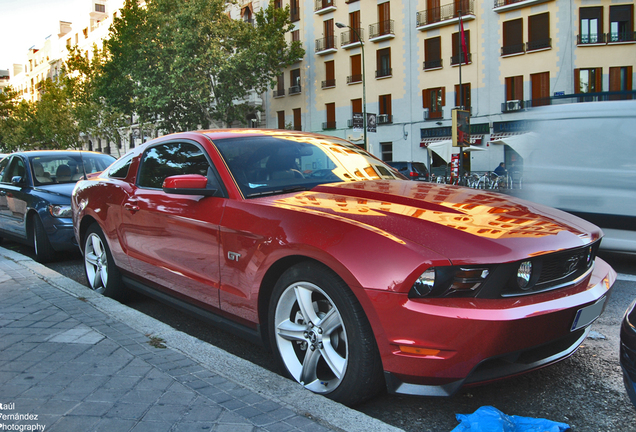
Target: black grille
(549, 271)
(556, 267)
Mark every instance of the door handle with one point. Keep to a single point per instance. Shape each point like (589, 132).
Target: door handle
(131, 207)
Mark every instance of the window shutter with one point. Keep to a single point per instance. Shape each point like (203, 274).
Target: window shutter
(599, 80)
(577, 81)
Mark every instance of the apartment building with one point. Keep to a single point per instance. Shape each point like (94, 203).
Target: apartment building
(404, 58)
(45, 61)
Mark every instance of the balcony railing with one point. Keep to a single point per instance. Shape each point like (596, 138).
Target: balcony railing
(433, 64)
(328, 125)
(538, 44)
(590, 39)
(384, 28)
(512, 49)
(328, 83)
(444, 13)
(294, 90)
(326, 43)
(581, 97)
(279, 93)
(455, 59)
(381, 73)
(351, 79)
(324, 6)
(621, 37)
(349, 37)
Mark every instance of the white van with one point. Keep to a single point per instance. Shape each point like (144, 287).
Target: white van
(581, 158)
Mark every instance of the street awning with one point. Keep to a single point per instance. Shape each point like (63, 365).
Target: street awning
(521, 142)
(443, 146)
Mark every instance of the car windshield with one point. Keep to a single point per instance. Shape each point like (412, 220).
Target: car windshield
(284, 163)
(67, 167)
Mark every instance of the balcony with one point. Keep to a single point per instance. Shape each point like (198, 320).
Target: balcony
(326, 45)
(322, 7)
(581, 98)
(278, 93)
(621, 37)
(513, 49)
(433, 64)
(539, 45)
(384, 73)
(354, 79)
(508, 5)
(591, 39)
(444, 15)
(381, 31)
(455, 59)
(349, 39)
(330, 83)
(328, 125)
(293, 90)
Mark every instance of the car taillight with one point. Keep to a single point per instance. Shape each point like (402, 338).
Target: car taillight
(413, 174)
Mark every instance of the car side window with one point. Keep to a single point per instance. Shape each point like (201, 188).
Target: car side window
(16, 168)
(3, 168)
(121, 167)
(169, 159)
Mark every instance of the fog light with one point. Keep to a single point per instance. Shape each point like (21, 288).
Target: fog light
(524, 273)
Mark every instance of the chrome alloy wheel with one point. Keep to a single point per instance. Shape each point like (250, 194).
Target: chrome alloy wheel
(311, 337)
(96, 263)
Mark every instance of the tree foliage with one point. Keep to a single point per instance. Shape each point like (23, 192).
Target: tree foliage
(186, 63)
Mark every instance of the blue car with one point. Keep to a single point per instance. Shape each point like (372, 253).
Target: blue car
(35, 196)
(628, 351)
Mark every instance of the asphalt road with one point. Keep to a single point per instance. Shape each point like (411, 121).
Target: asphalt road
(585, 391)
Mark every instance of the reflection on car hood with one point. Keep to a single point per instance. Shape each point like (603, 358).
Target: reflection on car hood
(62, 189)
(456, 222)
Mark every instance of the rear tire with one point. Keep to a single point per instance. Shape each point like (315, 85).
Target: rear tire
(101, 272)
(321, 337)
(44, 252)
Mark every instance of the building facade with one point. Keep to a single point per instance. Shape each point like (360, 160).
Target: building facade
(519, 54)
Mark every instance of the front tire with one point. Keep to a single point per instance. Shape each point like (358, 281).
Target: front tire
(101, 272)
(44, 252)
(321, 336)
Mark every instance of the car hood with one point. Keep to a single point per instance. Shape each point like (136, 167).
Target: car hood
(465, 225)
(62, 189)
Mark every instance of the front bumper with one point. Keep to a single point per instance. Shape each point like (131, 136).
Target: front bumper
(470, 341)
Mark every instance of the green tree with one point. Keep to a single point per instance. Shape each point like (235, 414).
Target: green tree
(94, 115)
(8, 106)
(185, 63)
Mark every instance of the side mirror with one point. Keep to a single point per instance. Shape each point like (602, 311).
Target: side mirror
(188, 184)
(18, 181)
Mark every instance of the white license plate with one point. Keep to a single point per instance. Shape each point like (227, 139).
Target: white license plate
(586, 316)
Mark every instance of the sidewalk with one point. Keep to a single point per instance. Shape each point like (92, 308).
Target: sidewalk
(72, 360)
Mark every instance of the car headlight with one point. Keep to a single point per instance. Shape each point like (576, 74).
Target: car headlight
(60, 211)
(444, 281)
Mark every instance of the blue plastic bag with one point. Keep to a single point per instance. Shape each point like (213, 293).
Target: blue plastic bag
(490, 419)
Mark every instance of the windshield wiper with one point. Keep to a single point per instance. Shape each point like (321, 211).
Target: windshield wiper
(284, 190)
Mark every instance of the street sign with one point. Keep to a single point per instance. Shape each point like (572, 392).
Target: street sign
(461, 128)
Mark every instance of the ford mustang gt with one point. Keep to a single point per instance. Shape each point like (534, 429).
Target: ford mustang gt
(355, 277)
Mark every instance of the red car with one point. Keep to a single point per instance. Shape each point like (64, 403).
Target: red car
(355, 277)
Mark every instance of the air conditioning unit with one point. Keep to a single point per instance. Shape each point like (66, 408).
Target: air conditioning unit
(425, 113)
(383, 118)
(350, 123)
(513, 105)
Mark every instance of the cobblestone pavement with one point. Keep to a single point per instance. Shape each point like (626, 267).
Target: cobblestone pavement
(71, 360)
